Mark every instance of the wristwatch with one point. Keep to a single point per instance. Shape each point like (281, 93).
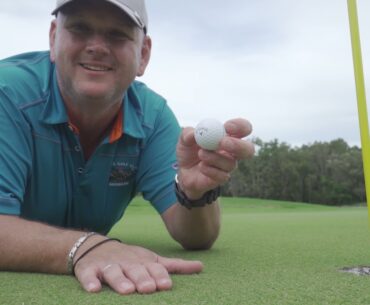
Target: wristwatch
(207, 197)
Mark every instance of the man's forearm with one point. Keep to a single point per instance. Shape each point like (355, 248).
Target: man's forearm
(34, 247)
(197, 228)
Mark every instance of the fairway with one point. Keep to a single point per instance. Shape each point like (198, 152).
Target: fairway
(269, 252)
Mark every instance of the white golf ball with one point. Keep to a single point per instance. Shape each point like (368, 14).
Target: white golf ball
(209, 133)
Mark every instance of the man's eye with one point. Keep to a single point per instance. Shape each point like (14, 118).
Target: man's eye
(79, 29)
(117, 35)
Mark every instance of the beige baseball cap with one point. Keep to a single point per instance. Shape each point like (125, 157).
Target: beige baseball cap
(135, 9)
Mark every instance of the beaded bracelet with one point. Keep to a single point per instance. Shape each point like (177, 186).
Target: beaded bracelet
(74, 249)
(92, 248)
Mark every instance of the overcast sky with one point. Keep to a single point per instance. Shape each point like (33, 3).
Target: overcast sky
(285, 65)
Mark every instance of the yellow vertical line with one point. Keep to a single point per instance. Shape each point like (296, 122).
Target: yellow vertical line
(361, 95)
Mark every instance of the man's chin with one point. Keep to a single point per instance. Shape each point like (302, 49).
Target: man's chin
(95, 94)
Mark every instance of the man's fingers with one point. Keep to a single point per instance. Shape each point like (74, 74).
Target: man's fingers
(160, 275)
(113, 276)
(240, 149)
(238, 128)
(140, 270)
(215, 175)
(139, 275)
(89, 280)
(220, 160)
(187, 137)
(180, 266)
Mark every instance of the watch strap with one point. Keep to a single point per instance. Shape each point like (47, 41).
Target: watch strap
(207, 198)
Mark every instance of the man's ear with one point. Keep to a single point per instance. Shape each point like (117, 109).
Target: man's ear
(145, 55)
(52, 33)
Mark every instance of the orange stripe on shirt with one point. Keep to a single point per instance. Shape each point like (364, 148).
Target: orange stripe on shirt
(73, 128)
(117, 129)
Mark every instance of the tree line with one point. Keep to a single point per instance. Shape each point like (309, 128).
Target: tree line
(328, 173)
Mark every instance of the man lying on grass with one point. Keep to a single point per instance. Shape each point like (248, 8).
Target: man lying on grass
(79, 137)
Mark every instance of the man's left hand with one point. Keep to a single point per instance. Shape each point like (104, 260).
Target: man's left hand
(202, 170)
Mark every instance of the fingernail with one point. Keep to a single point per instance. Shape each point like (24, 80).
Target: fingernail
(147, 284)
(165, 283)
(126, 287)
(147, 287)
(231, 128)
(91, 287)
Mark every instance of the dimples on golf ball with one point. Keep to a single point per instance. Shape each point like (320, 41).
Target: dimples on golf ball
(208, 134)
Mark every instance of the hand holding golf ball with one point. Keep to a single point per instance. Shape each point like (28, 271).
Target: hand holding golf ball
(208, 153)
(209, 133)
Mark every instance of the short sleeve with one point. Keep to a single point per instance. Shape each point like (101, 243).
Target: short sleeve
(15, 154)
(158, 163)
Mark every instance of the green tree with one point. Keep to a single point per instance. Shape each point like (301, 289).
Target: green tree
(322, 172)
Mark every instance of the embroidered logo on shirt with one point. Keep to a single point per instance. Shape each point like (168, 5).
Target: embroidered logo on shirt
(121, 173)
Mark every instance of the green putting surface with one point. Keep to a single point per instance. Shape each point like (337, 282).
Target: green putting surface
(268, 252)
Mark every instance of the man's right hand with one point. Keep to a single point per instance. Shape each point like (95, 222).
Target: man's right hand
(128, 269)
(29, 246)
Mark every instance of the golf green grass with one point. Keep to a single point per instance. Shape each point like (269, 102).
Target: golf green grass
(268, 252)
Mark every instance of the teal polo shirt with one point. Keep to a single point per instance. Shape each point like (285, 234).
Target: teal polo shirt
(43, 174)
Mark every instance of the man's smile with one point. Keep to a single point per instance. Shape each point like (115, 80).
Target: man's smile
(95, 67)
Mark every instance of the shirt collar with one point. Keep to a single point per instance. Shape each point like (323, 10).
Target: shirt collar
(128, 120)
(133, 114)
(54, 111)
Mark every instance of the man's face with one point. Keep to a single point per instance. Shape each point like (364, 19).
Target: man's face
(98, 51)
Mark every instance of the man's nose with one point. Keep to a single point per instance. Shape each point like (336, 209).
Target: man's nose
(97, 44)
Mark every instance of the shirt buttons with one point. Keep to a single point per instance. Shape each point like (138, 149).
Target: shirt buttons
(80, 170)
(77, 148)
